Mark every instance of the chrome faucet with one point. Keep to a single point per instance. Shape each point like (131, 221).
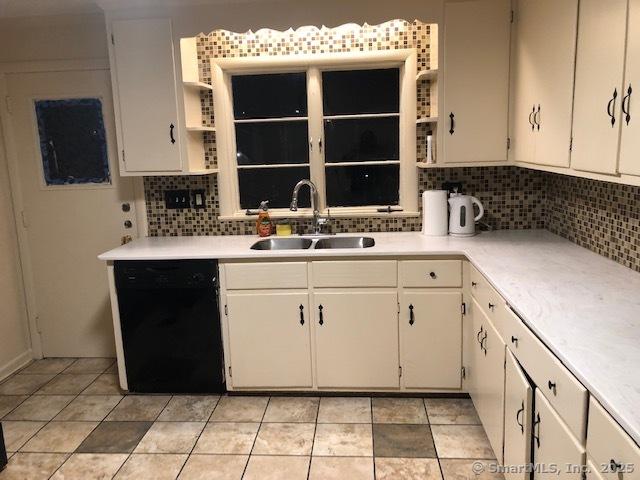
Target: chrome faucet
(318, 222)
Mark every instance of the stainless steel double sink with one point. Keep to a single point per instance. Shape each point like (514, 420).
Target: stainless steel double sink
(301, 243)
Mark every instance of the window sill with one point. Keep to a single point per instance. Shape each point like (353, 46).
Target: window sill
(278, 214)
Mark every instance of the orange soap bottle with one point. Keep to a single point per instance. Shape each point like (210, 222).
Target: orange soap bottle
(263, 225)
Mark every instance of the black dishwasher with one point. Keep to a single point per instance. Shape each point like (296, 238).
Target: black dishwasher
(170, 323)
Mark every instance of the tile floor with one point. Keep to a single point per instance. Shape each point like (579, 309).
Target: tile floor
(67, 419)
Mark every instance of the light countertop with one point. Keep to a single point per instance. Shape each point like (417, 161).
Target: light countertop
(584, 307)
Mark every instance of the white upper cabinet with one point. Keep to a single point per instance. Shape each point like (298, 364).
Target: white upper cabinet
(543, 74)
(599, 85)
(476, 81)
(142, 63)
(630, 119)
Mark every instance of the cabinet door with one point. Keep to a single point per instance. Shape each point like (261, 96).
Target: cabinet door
(630, 142)
(476, 80)
(554, 444)
(598, 88)
(269, 339)
(431, 339)
(357, 339)
(145, 90)
(518, 408)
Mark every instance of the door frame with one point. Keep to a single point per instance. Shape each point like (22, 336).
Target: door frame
(17, 197)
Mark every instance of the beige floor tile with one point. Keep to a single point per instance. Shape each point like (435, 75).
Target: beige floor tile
(16, 434)
(292, 409)
(240, 409)
(67, 384)
(277, 468)
(399, 410)
(40, 407)
(341, 468)
(48, 365)
(407, 469)
(141, 408)
(235, 438)
(9, 402)
(155, 466)
(89, 408)
(170, 437)
(94, 466)
(344, 410)
(189, 408)
(24, 384)
(105, 384)
(445, 411)
(112, 369)
(90, 365)
(459, 469)
(284, 439)
(345, 440)
(214, 467)
(461, 441)
(59, 437)
(32, 466)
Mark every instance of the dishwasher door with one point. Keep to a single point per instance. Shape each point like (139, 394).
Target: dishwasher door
(170, 324)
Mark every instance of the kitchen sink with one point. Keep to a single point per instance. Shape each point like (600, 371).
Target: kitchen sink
(345, 242)
(282, 244)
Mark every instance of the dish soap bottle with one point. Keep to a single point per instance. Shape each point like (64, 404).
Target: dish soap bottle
(263, 225)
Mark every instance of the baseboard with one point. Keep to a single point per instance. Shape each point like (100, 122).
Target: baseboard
(15, 364)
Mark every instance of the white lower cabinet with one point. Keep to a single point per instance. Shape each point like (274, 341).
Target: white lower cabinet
(556, 451)
(357, 338)
(269, 339)
(431, 339)
(518, 408)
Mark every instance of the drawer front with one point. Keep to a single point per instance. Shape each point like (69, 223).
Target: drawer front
(359, 273)
(607, 442)
(431, 273)
(563, 391)
(486, 296)
(265, 275)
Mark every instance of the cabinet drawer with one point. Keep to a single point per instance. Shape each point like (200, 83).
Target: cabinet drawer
(607, 442)
(265, 275)
(431, 273)
(563, 391)
(487, 298)
(359, 273)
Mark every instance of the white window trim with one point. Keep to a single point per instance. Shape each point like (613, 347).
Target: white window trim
(223, 68)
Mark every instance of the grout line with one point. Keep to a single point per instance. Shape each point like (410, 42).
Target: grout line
(313, 440)
(206, 422)
(256, 437)
(373, 439)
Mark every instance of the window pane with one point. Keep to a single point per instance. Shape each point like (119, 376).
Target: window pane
(361, 91)
(356, 186)
(273, 184)
(267, 143)
(361, 139)
(72, 141)
(270, 96)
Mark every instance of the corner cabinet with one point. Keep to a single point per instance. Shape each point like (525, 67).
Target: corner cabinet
(474, 119)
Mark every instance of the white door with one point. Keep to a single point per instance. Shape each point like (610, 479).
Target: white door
(554, 444)
(518, 405)
(357, 339)
(269, 339)
(68, 225)
(598, 86)
(630, 119)
(431, 339)
(476, 80)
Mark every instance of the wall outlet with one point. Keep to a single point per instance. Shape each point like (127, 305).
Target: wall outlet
(177, 199)
(198, 198)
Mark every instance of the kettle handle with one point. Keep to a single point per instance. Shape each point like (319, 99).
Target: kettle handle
(480, 207)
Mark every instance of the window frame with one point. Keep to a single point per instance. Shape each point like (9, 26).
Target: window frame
(222, 69)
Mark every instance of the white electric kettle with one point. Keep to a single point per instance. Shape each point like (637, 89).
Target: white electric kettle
(462, 218)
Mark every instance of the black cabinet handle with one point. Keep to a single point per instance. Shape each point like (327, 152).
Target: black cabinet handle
(321, 322)
(433, 275)
(452, 128)
(491, 306)
(514, 340)
(301, 314)
(552, 386)
(536, 118)
(411, 316)
(533, 112)
(474, 284)
(627, 111)
(171, 127)
(483, 347)
(610, 106)
(480, 333)
(614, 466)
(536, 423)
(521, 425)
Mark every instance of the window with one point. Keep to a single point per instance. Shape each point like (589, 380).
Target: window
(344, 121)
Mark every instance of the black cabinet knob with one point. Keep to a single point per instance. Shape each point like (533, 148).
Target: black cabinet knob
(433, 275)
(491, 306)
(514, 340)
(552, 386)
(474, 284)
